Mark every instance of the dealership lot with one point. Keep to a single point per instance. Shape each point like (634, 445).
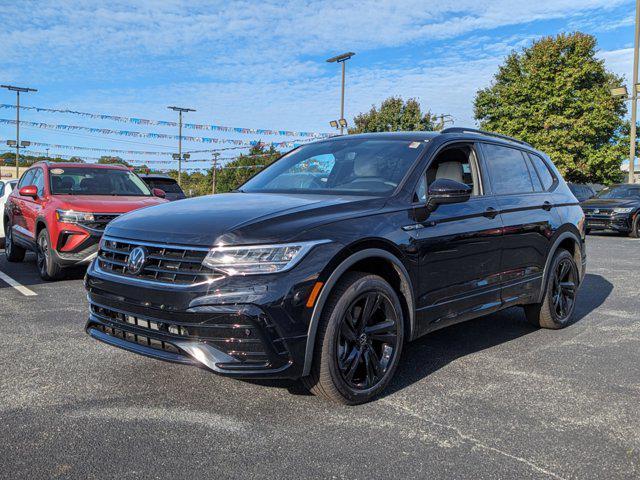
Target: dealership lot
(493, 397)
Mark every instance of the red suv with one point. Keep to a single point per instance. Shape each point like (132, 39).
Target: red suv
(59, 210)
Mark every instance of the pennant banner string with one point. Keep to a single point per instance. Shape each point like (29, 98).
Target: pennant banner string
(129, 133)
(194, 126)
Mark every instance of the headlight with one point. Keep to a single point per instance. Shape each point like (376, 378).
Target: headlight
(623, 210)
(257, 259)
(69, 216)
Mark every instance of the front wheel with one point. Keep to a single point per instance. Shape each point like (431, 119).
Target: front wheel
(47, 266)
(559, 301)
(359, 340)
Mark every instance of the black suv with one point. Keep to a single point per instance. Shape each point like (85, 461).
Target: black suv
(615, 208)
(322, 266)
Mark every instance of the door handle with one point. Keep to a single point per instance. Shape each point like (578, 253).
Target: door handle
(547, 206)
(490, 212)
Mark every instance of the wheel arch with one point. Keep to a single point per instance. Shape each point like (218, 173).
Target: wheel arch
(570, 241)
(349, 260)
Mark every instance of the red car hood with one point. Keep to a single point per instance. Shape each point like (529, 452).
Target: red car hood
(106, 203)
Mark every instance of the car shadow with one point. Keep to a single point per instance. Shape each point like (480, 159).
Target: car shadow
(434, 351)
(26, 272)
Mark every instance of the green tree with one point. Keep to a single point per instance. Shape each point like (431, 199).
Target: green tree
(555, 95)
(110, 160)
(394, 115)
(235, 173)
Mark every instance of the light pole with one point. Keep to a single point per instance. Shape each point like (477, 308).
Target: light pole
(13, 88)
(214, 171)
(180, 110)
(342, 58)
(635, 89)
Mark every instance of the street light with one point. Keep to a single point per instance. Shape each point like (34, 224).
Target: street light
(18, 146)
(342, 58)
(180, 110)
(13, 88)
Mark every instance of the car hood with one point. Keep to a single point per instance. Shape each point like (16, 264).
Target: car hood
(610, 203)
(105, 203)
(237, 218)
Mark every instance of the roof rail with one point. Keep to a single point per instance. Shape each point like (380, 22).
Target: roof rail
(484, 132)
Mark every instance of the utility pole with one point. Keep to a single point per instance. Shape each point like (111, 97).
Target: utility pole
(342, 59)
(47, 153)
(634, 99)
(180, 110)
(215, 170)
(13, 88)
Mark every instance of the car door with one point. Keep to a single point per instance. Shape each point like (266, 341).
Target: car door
(459, 250)
(21, 233)
(31, 207)
(528, 214)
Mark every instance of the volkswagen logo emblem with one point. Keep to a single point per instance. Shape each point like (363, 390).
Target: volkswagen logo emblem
(137, 260)
(596, 211)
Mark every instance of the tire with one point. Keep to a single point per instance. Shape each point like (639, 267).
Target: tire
(635, 227)
(356, 354)
(47, 266)
(558, 303)
(13, 252)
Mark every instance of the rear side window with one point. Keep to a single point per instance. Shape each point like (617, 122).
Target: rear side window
(168, 185)
(26, 179)
(546, 177)
(507, 169)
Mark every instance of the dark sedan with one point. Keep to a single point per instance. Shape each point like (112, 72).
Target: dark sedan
(614, 208)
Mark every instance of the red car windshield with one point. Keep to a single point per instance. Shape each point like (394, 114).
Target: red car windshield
(96, 181)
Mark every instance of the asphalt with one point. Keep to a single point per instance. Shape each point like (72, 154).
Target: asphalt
(490, 398)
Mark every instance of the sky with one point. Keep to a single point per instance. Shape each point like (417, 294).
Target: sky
(261, 64)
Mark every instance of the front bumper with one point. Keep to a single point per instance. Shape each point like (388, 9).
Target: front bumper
(248, 327)
(616, 222)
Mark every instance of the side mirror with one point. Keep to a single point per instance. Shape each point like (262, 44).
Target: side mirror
(29, 191)
(445, 190)
(158, 192)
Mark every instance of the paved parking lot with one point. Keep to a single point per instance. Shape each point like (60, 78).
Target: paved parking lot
(492, 398)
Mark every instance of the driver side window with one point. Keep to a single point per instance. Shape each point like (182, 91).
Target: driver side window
(456, 162)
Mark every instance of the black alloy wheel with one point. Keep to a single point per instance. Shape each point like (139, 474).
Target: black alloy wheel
(367, 340)
(564, 289)
(359, 340)
(559, 296)
(13, 252)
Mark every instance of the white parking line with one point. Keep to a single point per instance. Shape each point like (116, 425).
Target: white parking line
(21, 288)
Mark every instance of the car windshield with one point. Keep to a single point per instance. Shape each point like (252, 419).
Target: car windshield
(96, 181)
(356, 166)
(620, 191)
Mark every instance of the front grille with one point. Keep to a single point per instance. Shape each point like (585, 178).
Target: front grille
(100, 221)
(599, 212)
(165, 264)
(238, 337)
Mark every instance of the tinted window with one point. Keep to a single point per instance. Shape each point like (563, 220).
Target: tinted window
(26, 179)
(507, 169)
(546, 177)
(535, 179)
(361, 166)
(2, 189)
(38, 181)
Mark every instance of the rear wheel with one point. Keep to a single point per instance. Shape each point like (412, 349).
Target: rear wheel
(557, 306)
(359, 341)
(635, 227)
(13, 252)
(47, 266)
